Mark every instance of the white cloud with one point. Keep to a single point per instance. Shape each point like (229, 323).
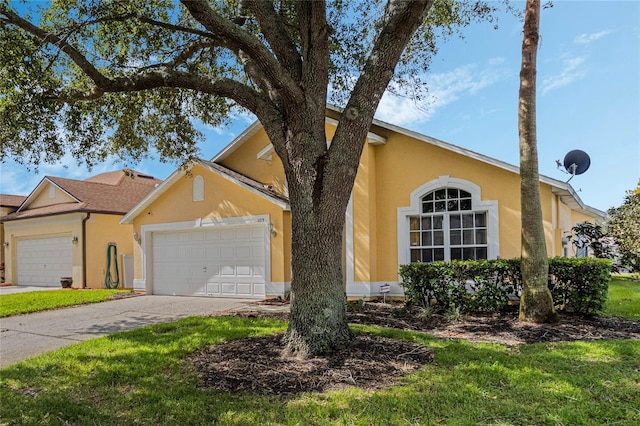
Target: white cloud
(441, 90)
(17, 180)
(572, 70)
(588, 38)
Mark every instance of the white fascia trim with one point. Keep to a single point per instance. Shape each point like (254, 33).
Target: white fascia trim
(559, 186)
(373, 138)
(146, 244)
(57, 219)
(348, 237)
(283, 205)
(491, 206)
(266, 153)
(238, 220)
(237, 142)
(154, 195)
(38, 189)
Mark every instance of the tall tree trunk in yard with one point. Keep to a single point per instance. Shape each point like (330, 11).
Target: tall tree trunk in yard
(185, 61)
(536, 303)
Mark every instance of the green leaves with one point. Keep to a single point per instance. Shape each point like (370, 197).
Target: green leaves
(98, 78)
(623, 224)
(577, 284)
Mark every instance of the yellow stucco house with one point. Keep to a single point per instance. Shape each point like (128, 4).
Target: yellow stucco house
(63, 228)
(8, 204)
(223, 227)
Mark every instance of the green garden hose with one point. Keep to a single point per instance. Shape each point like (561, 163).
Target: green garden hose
(109, 281)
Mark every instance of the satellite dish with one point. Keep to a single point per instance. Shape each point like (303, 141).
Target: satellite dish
(576, 162)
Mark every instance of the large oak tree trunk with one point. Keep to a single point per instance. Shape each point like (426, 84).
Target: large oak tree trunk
(318, 322)
(536, 303)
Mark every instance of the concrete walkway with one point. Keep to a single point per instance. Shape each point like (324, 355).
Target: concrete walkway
(26, 336)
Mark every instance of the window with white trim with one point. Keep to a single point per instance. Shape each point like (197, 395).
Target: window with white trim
(198, 188)
(448, 228)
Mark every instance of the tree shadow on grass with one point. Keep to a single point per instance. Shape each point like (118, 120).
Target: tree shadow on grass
(141, 377)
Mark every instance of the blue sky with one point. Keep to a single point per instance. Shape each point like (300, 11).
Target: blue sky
(588, 99)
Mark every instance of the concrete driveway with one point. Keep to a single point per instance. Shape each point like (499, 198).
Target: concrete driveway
(25, 336)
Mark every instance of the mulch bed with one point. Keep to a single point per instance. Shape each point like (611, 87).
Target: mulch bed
(255, 364)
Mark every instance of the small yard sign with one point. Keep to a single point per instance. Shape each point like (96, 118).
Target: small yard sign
(384, 289)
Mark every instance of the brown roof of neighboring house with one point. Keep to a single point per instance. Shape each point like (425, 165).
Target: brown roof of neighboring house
(111, 193)
(7, 200)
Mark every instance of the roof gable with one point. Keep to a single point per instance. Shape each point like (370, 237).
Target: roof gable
(228, 174)
(47, 193)
(109, 193)
(378, 135)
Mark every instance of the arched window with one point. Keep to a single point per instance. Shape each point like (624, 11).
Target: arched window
(198, 188)
(447, 220)
(447, 228)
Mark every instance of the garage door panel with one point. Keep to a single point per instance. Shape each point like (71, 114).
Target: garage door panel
(198, 253)
(227, 234)
(228, 288)
(227, 271)
(244, 234)
(213, 287)
(225, 262)
(43, 260)
(244, 289)
(243, 252)
(258, 271)
(227, 252)
(244, 271)
(212, 252)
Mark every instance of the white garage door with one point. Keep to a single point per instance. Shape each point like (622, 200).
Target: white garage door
(224, 261)
(42, 261)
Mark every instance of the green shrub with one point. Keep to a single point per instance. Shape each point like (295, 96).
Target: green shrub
(577, 284)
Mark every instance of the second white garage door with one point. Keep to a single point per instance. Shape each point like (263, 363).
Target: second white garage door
(41, 261)
(226, 261)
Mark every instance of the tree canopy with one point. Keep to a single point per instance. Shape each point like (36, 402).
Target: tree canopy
(99, 78)
(151, 70)
(623, 224)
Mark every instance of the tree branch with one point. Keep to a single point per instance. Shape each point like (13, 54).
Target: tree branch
(189, 52)
(403, 18)
(240, 40)
(154, 79)
(273, 28)
(179, 28)
(76, 56)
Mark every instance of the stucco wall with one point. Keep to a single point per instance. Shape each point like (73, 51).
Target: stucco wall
(404, 164)
(244, 161)
(43, 198)
(68, 225)
(102, 229)
(222, 199)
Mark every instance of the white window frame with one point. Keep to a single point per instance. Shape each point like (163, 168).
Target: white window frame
(477, 205)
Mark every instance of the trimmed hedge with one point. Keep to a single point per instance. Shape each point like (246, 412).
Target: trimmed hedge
(577, 284)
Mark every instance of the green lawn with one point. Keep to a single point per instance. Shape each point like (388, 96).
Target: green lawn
(624, 298)
(35, 301)
(139, 377)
